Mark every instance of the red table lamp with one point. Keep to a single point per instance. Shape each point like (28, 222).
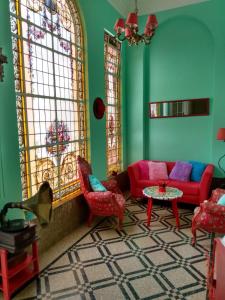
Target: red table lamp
(221, 137)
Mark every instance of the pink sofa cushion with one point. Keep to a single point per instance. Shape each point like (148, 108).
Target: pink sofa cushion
(144, 170)
(157, 170)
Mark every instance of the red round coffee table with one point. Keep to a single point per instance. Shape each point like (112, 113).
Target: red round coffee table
(170, 194)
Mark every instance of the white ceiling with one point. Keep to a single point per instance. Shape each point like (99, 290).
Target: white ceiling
(146, 7)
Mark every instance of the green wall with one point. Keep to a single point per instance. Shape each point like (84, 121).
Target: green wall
(181, 67)
(185, 60)
(99, 15)
(10, 183)
(135, 110)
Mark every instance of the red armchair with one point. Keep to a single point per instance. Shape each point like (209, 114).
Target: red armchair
(110, 203)
(210, 216)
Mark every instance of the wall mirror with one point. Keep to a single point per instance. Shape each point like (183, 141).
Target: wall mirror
(179, 108)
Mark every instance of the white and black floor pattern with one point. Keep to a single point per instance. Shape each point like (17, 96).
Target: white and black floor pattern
(138, 262)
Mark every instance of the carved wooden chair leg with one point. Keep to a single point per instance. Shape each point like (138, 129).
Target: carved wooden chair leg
(120, 225)
(90, 219)
(193, 230)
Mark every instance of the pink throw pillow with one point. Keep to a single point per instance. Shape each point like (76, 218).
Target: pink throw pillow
(157, 170)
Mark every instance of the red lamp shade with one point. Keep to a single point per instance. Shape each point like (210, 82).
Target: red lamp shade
(221, 134)
(148, 31)
(119, 26)
(128, 32)
(152, 21)
(132, 20)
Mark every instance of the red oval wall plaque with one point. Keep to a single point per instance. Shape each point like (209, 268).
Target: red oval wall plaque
(98, 108)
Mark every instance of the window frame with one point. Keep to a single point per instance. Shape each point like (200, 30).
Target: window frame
(116, 167)
(18, 41)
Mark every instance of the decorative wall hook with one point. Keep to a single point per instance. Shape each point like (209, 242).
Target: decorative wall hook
(3, 60)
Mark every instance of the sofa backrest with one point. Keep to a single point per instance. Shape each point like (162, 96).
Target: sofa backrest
(170, 165)
(144, 167)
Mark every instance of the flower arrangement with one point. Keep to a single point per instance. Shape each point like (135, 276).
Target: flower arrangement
(37, 34)
(162, 187)
(65, 45)
(57, 137)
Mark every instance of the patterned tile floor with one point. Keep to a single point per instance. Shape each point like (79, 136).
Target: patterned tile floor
(135, 263)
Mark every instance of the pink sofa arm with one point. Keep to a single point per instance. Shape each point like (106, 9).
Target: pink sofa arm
(205, 182)
(216, 194)
(213, 208)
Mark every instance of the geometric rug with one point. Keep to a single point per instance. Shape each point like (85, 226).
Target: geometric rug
(138, 262)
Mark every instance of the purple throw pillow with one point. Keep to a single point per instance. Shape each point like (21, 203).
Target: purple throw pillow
(181, 171)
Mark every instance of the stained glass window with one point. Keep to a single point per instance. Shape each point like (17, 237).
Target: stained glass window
(113, 115)
(50, 96)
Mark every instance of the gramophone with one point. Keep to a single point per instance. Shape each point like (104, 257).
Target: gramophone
(18, 233)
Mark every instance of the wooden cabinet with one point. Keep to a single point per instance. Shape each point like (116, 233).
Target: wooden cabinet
(17, 271)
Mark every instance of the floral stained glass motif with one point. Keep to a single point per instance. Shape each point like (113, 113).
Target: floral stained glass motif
(113, 115)
(48, 62)
(55, 134)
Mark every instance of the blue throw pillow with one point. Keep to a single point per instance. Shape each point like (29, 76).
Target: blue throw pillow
(96, 184)
(197, 170)
(221, 200)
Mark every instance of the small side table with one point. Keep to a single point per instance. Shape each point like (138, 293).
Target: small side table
(171, 194)
(14, 276)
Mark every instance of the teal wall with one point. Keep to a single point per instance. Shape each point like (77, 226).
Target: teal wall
(97, 16)
(181, 67)
(135, 110)
(94, 25)
(10, 183)
(185, 60)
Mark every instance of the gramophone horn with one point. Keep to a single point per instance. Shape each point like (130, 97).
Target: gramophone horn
(40, 204)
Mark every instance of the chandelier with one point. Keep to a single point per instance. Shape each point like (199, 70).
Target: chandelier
(129, 30)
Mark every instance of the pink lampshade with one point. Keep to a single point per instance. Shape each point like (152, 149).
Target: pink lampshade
(119, 25)
(128, 32)
(132, 20)
(221, 134)
(152, 21)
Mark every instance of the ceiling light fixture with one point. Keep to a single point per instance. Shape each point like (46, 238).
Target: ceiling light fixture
(129, 30)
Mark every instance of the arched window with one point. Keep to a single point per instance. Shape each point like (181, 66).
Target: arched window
(113, 114)
(50, 92)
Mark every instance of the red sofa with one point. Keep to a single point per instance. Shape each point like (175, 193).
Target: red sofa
(193, 192)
